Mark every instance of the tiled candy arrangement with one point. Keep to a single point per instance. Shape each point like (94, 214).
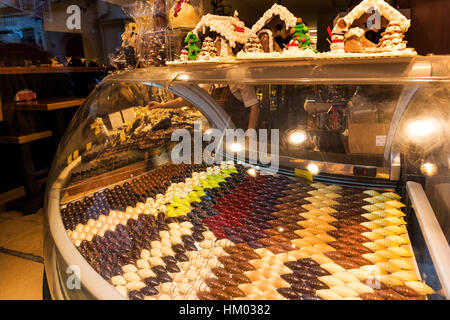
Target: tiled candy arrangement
(197, 232)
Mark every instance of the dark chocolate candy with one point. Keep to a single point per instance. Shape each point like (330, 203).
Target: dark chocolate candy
(370, 296)
(151, 281)
(389, 294)
(149, 291)
(234, 292)
(289, 293)
(240, 278)
(136, 295)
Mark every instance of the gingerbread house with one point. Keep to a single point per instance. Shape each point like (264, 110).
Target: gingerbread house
(362, 26)
(276, 22)
(229, 34)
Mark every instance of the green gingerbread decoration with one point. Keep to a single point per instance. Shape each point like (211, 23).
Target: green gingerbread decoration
(193, 49)
(300, 36)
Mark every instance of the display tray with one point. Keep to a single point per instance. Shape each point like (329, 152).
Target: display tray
(225, 232)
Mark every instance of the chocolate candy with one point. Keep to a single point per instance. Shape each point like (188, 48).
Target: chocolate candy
(164, 277)
(375, 284)
(370, 296)
(316, 284)
(172, 268)
(389, 294)
(405, 291)
(220, 272)
(203, 295)
(181, 257)
(289, 293)
(149, 291)
(227, 282)
(234, 292)
(302, 288)
(214, 283)
(220, 294)
(240, 278)
(151, 281)
(136, 295)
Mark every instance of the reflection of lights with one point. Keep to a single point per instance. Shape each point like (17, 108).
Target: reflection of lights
(184, 108)
(280, 229)
(428, 169)
(235, 147)
(313, 168)
(297, 137)
(421, 128)
(252, 172)
(183, 76)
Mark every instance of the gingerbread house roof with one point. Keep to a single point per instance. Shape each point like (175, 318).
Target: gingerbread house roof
(231, 28)
(276, 10)
(386, 10)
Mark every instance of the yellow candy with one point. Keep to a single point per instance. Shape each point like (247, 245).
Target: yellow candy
(374, 258)
(370, 225)
(395, 221)
(381, 205)
(346, 277)
(386, 254)
(332, 267)
(359, 287)
(328, 294)
(404, 264)
(334, 187)
(331, 281)
(325, 237)
(328, 210)
(372, 236)
(394, 204)
(382, 198)
(396, 229)
(389, 280)
(391, 195)
(398, 239)
(321, 259)
(419, 287)
(326, 218)
(332, 195)
(323, 247)
(360, 274)
(386, 243)
(371, 208)
(383, 232)
(394, 213)
(318, 185)
(405, 276)
(344, 291)
(401, 252)
(374, 246)
(372, 200)
(388, 267)
(371, 216)
(371, 193)
(303, 233)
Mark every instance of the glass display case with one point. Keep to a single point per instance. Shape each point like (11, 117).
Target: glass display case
(351, 204)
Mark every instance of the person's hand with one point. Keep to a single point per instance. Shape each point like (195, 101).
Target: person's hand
(155, 105)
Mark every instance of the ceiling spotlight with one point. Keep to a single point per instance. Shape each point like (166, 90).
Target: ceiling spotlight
(235, 147)
(297, 137)
(252, 172)
(429, 169)
(313, 169)
(419, 129)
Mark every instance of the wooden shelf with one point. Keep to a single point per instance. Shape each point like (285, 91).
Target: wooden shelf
(25, 138)
(33, 70)
(47, 104)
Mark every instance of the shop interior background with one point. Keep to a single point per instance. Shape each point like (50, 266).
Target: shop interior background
(30, 26)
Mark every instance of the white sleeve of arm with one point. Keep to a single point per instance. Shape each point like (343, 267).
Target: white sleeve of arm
(249, 97)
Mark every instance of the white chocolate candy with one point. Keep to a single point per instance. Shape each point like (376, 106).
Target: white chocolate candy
(135, 285)
(129, 268)
(142, 264)
(118, 280)
(146, 273)
(131, 276)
